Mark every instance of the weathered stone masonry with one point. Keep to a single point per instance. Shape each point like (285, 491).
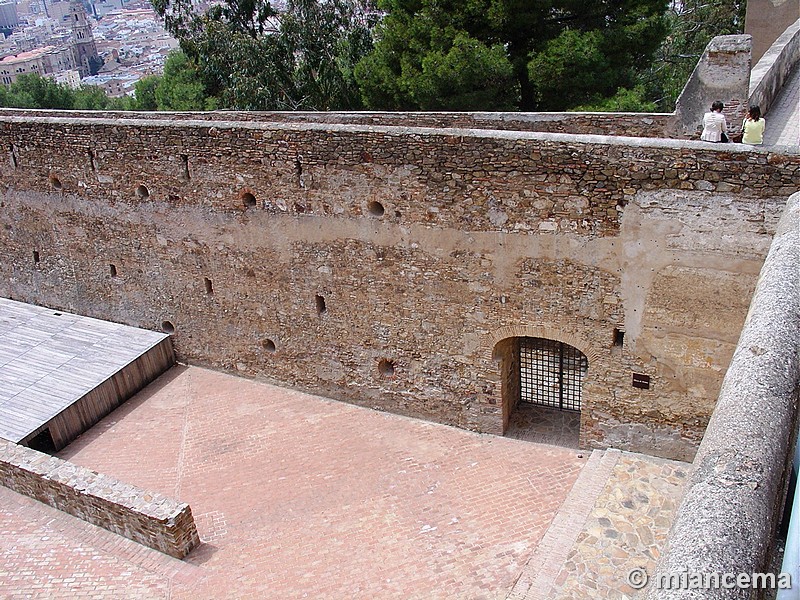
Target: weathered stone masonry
(144, 517)
(386, 265)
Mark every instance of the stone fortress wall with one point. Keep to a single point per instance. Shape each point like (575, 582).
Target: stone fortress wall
(735, 498)
(387, 266)
(389, 259)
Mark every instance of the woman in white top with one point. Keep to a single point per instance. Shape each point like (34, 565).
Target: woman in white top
(714, 124)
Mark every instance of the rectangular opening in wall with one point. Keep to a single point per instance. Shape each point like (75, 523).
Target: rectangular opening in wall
(36, 256)
(209, 286)
(641, 381)
(619, 337)
(322, 308)
(185, 167)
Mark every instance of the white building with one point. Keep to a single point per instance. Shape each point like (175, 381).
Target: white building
(71, 78)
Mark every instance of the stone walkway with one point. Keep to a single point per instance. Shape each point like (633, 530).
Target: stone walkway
(625, 530)
(615, 519)
(783, 117)
(296, 496)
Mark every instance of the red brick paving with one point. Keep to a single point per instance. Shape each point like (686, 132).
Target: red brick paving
(294, 496)
(47, 554)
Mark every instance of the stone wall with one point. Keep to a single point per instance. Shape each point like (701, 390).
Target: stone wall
(766, 21)
(655, 125)
(774, 68)
(384, 265)
(732, 504)
(144, 517)
(723, 73)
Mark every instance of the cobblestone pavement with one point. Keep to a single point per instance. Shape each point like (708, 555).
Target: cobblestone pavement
(623, 505)
(295, 496)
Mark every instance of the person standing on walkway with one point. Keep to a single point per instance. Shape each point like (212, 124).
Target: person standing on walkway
(715, 127)
(753, 127)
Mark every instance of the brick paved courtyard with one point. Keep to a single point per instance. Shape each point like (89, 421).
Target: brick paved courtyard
(295, 496)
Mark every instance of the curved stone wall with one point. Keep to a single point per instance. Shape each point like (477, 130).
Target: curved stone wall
(731, 506)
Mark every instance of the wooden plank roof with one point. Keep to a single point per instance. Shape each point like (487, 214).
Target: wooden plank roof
(49, 359)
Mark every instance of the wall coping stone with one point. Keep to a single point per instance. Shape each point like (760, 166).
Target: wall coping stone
(215, 126)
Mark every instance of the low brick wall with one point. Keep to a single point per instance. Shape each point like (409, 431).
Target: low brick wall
(144, 517)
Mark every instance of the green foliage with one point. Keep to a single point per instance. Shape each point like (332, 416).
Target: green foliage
(691, 24)
(382, 75)
(181, 87)
(570, 69)
(32, 91)
(145, 93)
(454, 72)
(500, 54)
(624, 100)
(321, 42)
(247, 58)
(89, 97)
(469, 76)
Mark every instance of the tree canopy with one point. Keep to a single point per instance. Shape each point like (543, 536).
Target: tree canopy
(417, 55)
(248, 58)
(33, 91)
(508, 54)
(446, 54)
(179, 88)
(691, 24)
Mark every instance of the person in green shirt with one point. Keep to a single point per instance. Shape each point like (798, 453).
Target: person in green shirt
(753, 127)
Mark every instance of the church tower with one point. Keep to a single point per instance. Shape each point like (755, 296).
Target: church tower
(83, 45)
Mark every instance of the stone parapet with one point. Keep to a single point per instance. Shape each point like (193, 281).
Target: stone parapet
(286, 167)
(732, 503)
(723, 73)
(144, 517)
(771, 72)
(649, 125)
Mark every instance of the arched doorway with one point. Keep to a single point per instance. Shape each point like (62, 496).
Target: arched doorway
(542, 388)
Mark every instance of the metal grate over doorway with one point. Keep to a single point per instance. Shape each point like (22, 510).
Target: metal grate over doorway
(551, 373)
